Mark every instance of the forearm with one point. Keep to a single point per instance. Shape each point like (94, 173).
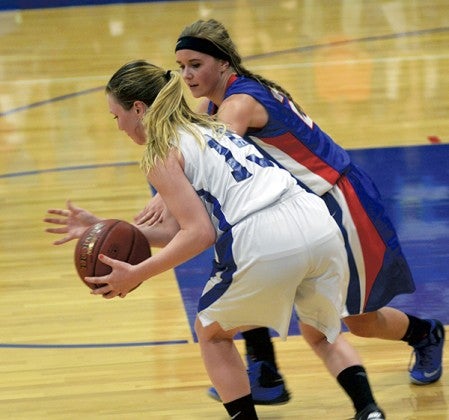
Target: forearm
(184, 246)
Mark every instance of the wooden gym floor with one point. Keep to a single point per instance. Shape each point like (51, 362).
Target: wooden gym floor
(373, 74)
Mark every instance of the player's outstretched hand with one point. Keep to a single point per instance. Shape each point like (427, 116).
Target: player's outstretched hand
(73, 220)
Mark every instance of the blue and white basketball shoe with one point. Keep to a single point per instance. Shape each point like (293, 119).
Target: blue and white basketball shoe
(428, 352)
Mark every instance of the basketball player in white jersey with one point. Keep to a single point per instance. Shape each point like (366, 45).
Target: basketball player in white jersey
(276, 245)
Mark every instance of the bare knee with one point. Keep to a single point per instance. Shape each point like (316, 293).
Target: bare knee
(314, 338)
(363, 325)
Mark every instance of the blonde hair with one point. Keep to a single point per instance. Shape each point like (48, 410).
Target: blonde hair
(215, 32)
(167, 112)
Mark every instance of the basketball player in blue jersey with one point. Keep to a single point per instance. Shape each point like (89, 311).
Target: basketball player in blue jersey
(264, 112)
(273, 240)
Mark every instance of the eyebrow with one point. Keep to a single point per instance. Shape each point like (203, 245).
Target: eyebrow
(192, 60)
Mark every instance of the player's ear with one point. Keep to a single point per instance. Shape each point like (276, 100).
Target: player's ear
(140, 107)
(225, 65)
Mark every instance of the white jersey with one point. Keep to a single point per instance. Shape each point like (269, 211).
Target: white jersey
(277, 245)
(231, 177)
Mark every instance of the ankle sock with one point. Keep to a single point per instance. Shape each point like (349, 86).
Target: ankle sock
(354, 381)
(259, 346)
(417, 330)
(241, 408)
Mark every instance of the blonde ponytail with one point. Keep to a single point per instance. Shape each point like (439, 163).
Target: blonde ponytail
(166, 117)
(167, 110)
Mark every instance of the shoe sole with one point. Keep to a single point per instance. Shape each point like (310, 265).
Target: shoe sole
(417, 382)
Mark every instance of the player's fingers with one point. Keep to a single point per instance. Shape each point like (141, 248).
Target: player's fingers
(106, 260)
(141, 219)
(153, 219)
(56, 230)
(110, 261)
(55, 221)
(149, 220)
(139, 215)
(62, 241)
(145, 222)
(54, 211)
(72, 207)
(100, 282)
(60, 212)
(147, 214)
(104, 289)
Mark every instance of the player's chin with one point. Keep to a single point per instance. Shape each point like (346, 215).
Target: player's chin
(137, 135)
(195, 91)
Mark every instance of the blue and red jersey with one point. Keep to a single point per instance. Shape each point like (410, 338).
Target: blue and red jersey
(290, 138)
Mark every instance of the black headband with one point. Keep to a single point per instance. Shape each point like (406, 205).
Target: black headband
(202, 45)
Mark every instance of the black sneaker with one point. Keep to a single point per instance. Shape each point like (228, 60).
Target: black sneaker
(370, 412)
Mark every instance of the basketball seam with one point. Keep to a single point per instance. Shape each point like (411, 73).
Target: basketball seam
(100, 244)
(131, 248)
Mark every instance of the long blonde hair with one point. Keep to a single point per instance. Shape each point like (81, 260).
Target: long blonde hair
(167, 113)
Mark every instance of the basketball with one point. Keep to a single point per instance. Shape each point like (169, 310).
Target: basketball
(116, 239)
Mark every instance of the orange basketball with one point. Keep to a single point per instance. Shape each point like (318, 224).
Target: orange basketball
(116, 239)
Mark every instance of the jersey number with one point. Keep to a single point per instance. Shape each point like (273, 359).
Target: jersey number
(238, 171)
